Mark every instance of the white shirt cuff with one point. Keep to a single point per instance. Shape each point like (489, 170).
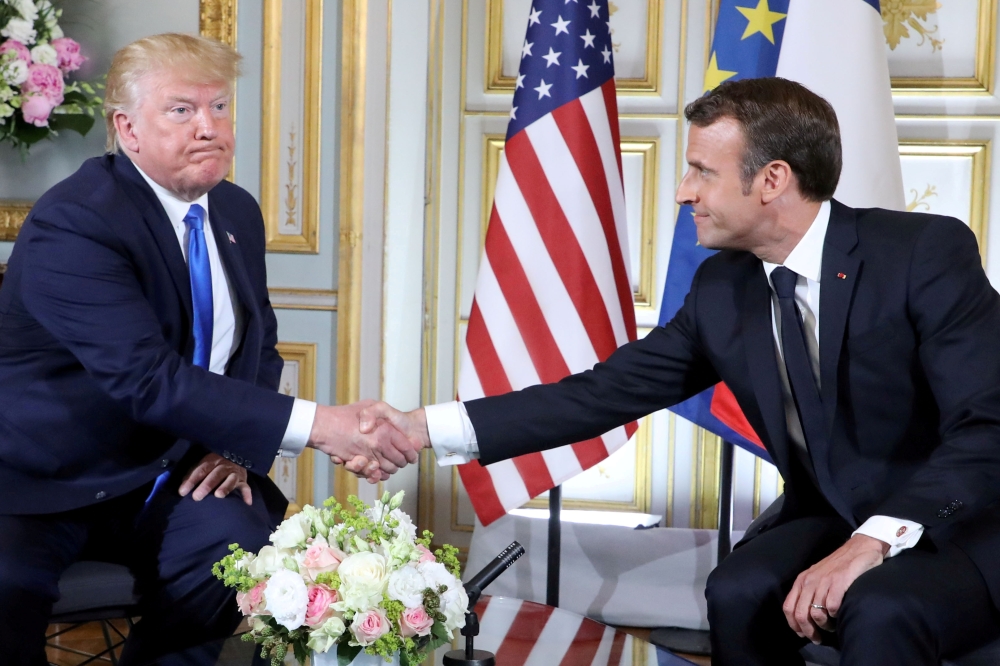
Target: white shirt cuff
(452, 435)
(299, 428)
(899, 534)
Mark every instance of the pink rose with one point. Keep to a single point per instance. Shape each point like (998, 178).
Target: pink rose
(45, 80)
(17, 47)
(425, 554)
(318, 610)
(36, 110)
(69, 55)
(252, 602)
(369, 626)
(415, 622)
(321, 558)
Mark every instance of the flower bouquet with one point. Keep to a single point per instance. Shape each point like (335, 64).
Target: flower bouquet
(343, 582)
(36, 98)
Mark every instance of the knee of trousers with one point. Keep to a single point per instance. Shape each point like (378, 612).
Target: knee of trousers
(869, 611)
(735, 591)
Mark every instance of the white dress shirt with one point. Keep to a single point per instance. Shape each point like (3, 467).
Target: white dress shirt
(454, 439)
(228, 323)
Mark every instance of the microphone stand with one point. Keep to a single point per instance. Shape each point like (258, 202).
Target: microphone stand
(470, 656)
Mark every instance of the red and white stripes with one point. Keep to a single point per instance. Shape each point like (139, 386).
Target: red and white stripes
(554, 295)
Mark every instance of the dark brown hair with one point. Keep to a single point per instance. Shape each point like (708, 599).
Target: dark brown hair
(781, 120)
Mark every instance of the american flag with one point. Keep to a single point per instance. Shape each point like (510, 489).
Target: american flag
(554, 296)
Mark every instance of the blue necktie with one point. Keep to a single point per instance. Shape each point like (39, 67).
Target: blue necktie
(201, 299)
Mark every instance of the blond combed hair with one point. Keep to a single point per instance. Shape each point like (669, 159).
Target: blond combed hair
(198, 59)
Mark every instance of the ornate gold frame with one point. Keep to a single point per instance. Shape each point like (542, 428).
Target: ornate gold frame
(980, 153)
(304, 354)
(496, 82)
(271, 140)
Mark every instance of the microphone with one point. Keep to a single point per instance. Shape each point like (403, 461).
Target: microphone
(474, 588)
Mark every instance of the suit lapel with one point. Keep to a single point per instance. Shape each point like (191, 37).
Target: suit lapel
(226, 240)
(153, 215)
(837, 278)
(763, 364)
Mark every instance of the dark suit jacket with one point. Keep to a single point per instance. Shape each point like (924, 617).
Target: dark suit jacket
(97, 391)
(910, 377)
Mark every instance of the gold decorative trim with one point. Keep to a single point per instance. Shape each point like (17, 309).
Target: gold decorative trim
(303, 354)
(303, 299)
(271, 112)
(352, 142)
(981, 83)
(980, 154)
(671, 466)
(12, 216)
(217, 20)
(758, 464)
(496, 82)
(707, 457)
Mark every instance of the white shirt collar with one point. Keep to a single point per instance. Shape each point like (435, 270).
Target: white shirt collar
(806, 258)
(175, 207)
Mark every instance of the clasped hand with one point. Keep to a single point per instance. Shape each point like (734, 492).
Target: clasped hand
(371, 439)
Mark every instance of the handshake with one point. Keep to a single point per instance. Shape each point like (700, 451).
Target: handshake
(370, 438)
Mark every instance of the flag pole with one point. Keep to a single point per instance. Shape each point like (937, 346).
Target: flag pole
(725, 500)
(555, 547)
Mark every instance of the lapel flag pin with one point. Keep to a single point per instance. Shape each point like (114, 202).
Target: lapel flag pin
(842, 276)
(232, 238)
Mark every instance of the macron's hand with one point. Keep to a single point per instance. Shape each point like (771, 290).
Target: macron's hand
(215, 473)
(411, 427)
(371, 454)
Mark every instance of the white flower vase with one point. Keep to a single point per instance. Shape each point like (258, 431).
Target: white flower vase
(329, 658)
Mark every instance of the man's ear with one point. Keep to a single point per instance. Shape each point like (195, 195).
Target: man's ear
(125, 126)
(777, 179)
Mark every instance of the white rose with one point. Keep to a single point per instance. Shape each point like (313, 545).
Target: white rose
(436, 575)
(16, 72)
(363, 579)
(268, 561)
(293, 532)
(323, 637)
(406, 526)
(407, 585)
(286, 598)
(45, 55)
(19, 30)
(27, 9)
(55, 32)
(454, 605)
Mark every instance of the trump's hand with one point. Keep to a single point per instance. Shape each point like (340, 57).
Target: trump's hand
(818, 592)
(215, 473)
(374, 454)
(411, 425)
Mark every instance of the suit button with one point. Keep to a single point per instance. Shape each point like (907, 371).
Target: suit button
(226, 455)
(956, 505)
(248, 465)
(165, 463)
(239, 460)
(943, 513)
(101, 495)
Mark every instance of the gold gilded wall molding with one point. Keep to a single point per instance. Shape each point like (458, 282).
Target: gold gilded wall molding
(981, 83)
(217, 19)
(271, 133)
(497, 82)
(303, 354)
(705, 480)
(352, 143)
(12, 216)
(980, 154)
(303, 299)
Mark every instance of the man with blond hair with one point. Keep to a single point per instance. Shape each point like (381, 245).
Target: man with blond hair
(138, 371)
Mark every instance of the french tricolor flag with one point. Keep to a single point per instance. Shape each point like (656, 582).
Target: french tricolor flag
(836, 48)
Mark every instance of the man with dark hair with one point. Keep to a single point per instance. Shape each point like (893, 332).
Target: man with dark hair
(879, 400)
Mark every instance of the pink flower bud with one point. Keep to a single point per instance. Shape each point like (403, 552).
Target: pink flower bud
(17, 47)
(369, 626)
(318, 610)
(68, 51)
(45, 80)
(36, 109)
(321, 558)
(415, 622)
(251, 602)
(425, 554)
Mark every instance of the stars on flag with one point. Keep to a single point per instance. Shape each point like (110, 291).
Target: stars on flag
(594, 9)
(520, 81)
(588, 40)
(561, 26)
(513, 113)
(607, 54)
(714, 76)
(534, 18)
(760, 19)
(552, 57)
(543, 90)
(580, 69)
(526, 49)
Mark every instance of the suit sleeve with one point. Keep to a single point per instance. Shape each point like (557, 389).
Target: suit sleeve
(641, 377)
(80, 284)
(956, 313)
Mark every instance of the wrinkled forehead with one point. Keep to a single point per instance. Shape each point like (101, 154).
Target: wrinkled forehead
(182, 83)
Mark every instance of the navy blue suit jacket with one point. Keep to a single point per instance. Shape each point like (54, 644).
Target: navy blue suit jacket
(97, 391)
(910, 378)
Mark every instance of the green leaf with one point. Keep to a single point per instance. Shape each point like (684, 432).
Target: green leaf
(439, 632)
(78, 122)
(75, 98)
(346, 653)
(27, 134)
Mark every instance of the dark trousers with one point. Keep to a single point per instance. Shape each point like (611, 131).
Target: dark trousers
(925, 604)
(170, 546)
